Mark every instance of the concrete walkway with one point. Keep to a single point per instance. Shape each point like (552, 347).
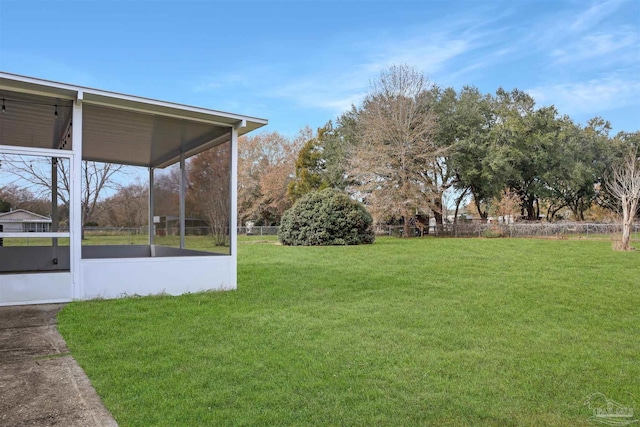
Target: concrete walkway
(40, 383)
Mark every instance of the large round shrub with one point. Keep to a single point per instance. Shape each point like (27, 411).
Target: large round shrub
(326, 217)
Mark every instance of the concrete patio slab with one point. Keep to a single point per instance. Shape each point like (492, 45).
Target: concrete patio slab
(40, 383)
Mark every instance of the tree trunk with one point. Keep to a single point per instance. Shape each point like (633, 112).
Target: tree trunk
(405, 226)
(437, 211)
(482, 214)
(455, 215)
(626, 236)
(627, 222)
(529, 207)
(438, 218)
(551, 214)
(427, 225)
(462, 196)
(530, 213)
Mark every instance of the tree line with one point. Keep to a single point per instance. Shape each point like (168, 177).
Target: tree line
(401, 151)
(411, 141)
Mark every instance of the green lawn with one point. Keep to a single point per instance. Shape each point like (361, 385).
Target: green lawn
(442, 332)
(203, 243)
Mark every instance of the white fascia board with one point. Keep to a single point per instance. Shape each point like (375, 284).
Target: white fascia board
(168, 109)
(24, 84)
(30, 85)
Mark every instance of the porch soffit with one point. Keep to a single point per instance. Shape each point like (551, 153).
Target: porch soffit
(117, 128)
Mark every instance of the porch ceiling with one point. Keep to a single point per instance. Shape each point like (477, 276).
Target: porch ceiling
(116, 128)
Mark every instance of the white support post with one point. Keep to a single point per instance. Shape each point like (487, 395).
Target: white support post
(75, 199)
(54, 194)
(54, 207)
(151, 204)
(233, 223)
(183, 184)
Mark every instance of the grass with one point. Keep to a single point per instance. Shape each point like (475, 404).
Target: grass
(203, 243)
(446, 332)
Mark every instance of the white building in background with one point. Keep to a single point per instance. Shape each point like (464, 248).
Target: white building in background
(21, 220)
(62, 125)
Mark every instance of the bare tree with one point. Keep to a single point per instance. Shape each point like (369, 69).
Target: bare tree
(209, 190)
(129, 207)
(166, 190)
(35, 172)
(395, 146)
(15, 197)
(624, 185)
(266, 165)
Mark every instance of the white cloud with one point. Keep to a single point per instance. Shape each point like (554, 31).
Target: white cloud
(356, 59)
(472, 67)
(332, 93)
(429, 54)
(592, 96)
(562, 55)
(616, 46)
(595, 14)
(338, 87)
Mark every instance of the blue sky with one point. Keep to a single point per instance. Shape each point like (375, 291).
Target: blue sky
(301, 63)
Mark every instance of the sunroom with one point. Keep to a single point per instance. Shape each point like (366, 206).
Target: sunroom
(50, 132)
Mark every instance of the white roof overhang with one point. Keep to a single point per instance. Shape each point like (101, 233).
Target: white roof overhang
(116, 128)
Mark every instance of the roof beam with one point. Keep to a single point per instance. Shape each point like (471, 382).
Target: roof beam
(192, 147)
